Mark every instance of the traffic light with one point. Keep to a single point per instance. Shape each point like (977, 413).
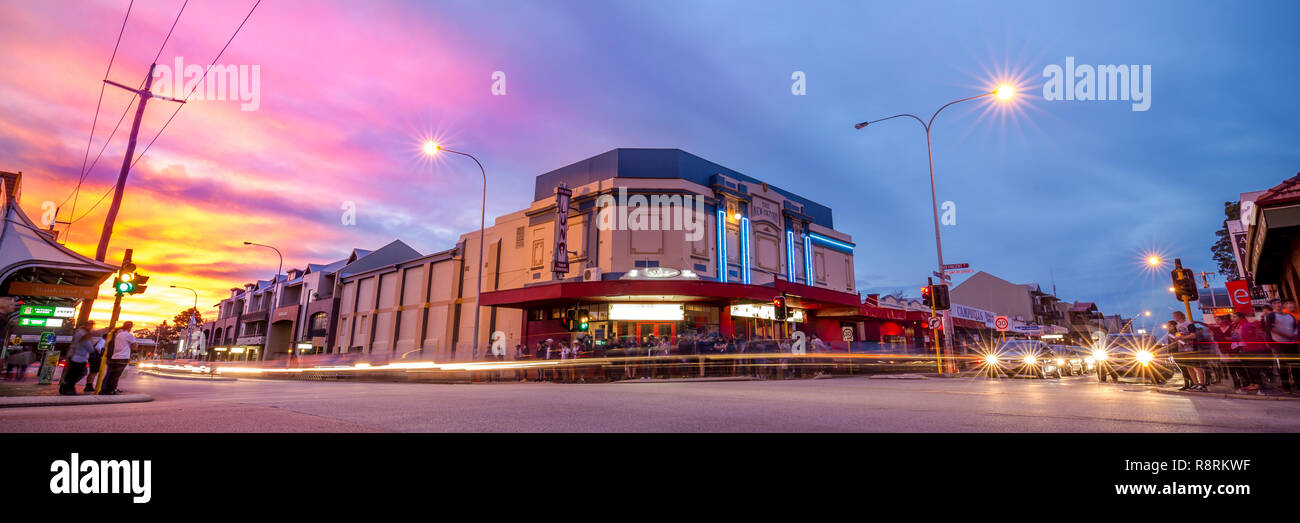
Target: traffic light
(124, 283)
(569, 319)
(926, 296)
(1184, 284)
(584, 318)
(139, 284)
(778, 306)
(939, 295)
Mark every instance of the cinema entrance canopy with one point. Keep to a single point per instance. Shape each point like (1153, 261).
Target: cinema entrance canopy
(633, 309)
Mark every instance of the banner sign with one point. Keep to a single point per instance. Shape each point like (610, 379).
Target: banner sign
(560, 264)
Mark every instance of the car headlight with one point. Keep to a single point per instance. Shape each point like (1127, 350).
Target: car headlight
(1099, 355)
(1030, 359)
(1089, 360)
(991, 359)
(1144, 357)
(1060, 361)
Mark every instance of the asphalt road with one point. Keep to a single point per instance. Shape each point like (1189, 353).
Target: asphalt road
(854, 404)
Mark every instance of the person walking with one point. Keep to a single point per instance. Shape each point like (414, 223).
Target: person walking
(1281, 326)
(79, 351)
(1189, 335)
(119, 356)
(18, 360)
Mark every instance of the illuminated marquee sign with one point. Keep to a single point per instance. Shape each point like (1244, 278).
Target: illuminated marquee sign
(764, 312)
(647, 311)
(660, 273)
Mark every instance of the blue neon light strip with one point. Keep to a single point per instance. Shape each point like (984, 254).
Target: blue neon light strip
(789, 256)
(744, 250)
(722, 245)
(807, 260)
(841, 245)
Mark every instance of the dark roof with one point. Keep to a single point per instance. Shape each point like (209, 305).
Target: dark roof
(1083, 306)
(1286, 192)
(659, 163)
(390, 254)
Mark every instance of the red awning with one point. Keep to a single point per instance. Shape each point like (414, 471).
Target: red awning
(680, 290)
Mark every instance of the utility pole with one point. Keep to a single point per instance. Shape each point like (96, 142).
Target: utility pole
(107, 232)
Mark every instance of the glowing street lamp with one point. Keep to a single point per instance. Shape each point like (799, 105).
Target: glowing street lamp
(1153, 261)
(432, 148)
(1004, 93)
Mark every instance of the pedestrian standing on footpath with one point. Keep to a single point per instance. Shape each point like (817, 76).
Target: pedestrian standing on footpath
(83, 343)
(94, 360)
(119, 356)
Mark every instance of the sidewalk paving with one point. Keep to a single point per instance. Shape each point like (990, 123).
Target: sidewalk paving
(28, 394)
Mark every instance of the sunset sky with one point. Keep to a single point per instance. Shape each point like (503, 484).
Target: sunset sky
(1073, 192)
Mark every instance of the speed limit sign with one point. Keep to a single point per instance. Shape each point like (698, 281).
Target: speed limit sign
(1002, 323)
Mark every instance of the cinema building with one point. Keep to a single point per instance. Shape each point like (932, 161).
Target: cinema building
(651, 242)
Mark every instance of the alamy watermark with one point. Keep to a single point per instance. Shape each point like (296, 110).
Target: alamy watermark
(1102, 82)
(239, 83)
(656, 212)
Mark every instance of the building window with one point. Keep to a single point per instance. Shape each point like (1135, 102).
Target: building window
(319, 324)
(519, 238)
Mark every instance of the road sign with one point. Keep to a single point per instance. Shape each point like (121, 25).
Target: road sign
(959, 271)
(1002, 323)
(948, 266)
(846, 333)
(936, 322)
(1239, 293)
(45, 375)
(942, 277)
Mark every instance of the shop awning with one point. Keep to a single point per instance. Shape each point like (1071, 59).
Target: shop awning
(564, 293)
(30, 255)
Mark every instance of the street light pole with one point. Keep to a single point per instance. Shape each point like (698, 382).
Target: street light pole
(1003, 93)
(189, 330)
(431, 148)
(266, 337)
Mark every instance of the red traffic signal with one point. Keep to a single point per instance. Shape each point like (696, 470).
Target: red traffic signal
(778, 307)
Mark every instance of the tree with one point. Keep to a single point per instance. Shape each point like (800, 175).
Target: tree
(183, 319)
(1222, 248)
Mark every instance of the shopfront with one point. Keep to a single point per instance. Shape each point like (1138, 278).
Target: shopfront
(623, 313)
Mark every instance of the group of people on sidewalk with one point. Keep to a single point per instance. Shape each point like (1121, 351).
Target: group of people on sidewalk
(659, 356)
(86, 352)
(1250, 352)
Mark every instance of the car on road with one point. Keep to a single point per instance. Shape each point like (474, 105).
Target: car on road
(1136, 355)
(1072, 359)
(1014, 358)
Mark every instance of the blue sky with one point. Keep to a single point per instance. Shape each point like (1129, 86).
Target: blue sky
(1065, 191)
(1070, 191)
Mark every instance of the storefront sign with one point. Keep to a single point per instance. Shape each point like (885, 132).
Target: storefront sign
(560, 263)
(764, 312)
(21, 288)
(1240, 295)
(40, 322)
(660, 273)
(47, 311)
(646, 311)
